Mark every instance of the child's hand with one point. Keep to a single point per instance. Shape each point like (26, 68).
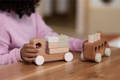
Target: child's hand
(29, 53)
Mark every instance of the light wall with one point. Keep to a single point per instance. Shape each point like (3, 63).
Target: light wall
(46, 7)
(99, 3)
(81, 13)
(106, 20)
(100, 17)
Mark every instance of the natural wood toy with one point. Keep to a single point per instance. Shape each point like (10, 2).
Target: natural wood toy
(52, 48)
(95, 48)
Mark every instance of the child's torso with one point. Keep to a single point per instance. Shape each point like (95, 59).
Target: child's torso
(20, 30)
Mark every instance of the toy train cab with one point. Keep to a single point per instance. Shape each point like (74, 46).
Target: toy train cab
(95, 48)
(53, 48)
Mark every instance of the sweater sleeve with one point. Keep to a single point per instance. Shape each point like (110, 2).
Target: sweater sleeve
(45, 30)
(7, 56)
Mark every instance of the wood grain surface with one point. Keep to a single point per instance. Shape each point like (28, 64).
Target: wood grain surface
(108, 69)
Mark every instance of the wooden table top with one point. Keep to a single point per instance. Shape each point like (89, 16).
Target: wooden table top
(108, 69)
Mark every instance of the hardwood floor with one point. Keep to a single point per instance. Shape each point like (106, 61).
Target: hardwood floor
(108, 69)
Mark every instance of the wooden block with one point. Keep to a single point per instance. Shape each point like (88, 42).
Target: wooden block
(98, 36)
(58, 50)
(91, 38)
(63, 38)
(53, 45)
(59, 38)
(64, 44)
(39, 44)
(58, 45)
(52, 39)
(94, 37)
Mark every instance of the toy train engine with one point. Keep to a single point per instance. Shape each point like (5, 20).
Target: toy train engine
(53, 48)
(95, 48)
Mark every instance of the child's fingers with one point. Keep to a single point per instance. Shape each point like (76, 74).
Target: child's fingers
(29, 46)
(29, 59)
(30, 55)
(31, 50)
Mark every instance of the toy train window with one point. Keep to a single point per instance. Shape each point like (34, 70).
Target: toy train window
(99, 47)
(107, 1)
(95, 49)
(102, 45)
(105, 43)
(38, 45)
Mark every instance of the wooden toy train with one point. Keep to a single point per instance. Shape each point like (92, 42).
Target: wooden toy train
(52, 48)
(94, 48)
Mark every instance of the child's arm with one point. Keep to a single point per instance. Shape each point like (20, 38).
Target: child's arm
(7, 56)
(44, 30)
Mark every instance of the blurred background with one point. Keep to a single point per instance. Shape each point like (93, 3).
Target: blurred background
(81, 17)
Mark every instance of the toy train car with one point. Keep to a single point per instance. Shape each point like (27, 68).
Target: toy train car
(52, 49)
(94, 49)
